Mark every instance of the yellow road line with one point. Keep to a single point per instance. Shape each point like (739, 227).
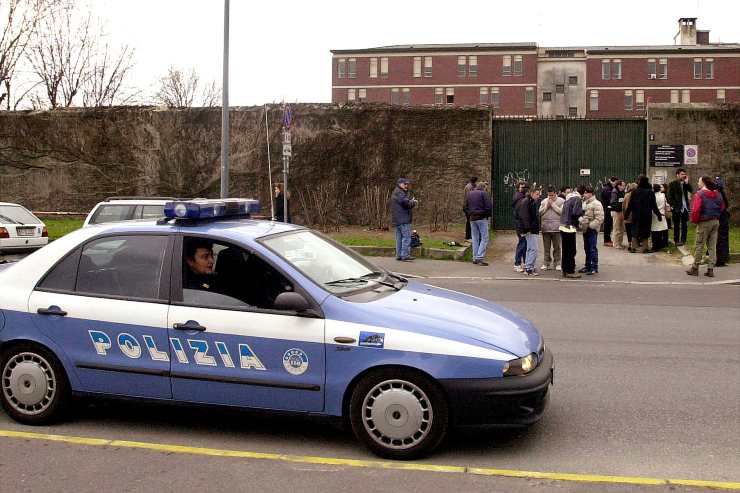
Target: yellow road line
(403, 466)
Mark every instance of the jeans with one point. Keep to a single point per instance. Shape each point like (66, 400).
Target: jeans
(403, 240)
(607, 224)
(618, 228)
(479, 231)
(590, 242)
(680, 225)
(531, 254)
(706, 238)
(551, 241)
(569, 252)
(521, 249)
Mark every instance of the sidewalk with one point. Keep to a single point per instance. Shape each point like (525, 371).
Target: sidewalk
(614, 266)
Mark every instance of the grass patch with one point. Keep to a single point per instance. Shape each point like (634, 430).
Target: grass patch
(734, 237)
(381, 241)
(59, 227)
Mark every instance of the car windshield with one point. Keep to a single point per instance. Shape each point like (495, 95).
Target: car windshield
(328, 264)
(112, 213)
(15, 214)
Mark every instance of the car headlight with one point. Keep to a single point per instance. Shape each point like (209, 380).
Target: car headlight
(520, 366)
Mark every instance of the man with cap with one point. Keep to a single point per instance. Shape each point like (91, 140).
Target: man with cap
(401, 205)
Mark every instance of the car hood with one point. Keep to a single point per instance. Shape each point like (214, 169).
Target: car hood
(440, 312)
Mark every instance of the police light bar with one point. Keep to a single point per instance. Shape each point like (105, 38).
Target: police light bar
(210, 208)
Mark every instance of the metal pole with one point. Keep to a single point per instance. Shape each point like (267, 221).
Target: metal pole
(225, 109)
(269, 168)
(286, 162)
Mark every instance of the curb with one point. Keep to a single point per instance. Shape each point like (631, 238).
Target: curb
(728, 282)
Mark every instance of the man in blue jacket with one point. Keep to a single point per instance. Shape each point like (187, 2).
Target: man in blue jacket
(479, 207)
(401, 205)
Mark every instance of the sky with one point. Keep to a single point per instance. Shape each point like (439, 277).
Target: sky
(279, 50)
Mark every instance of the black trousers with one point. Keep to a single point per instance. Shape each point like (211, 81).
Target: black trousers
(468, 234)
(680, 226)
(628, 230)
(608, 225)
(568, 241)
(723, 239)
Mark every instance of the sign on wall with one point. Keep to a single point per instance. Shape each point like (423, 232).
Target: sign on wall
(691, 154)
(667, 155)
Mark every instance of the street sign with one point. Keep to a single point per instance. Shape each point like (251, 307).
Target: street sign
(585, 172)
(287, 149)
(667, 155)
(691, 154)
(287, 116)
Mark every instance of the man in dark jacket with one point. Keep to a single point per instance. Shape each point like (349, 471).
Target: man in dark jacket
(528, 226)
(605, 197)
(569, 218)
(640, 209)
(680, 202)
(401, 205)
(723, 234)
(521, 246)
(479, 207)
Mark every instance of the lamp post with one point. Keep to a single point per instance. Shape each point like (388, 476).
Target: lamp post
(225, 109)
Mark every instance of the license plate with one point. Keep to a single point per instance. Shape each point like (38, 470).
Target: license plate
(25, 231)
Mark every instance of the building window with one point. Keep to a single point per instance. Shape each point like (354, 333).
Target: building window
(495, 98)
(709, 68)
(560, 88)
(605, 69)
(427, 66)
(395, 96)
(652, 68)
(628, 100)
(384, 67)
(685, 96)
(352, 68)
(529, 97)
(674, 96)
(640, 100)
(350, 95)
(461, 62)
(483, 95)
(506, 68)
(594, 101)
(546, 97)
(720, 95)
(572, 111)
(663, 68)
(616, 69)
(473, 66)
(406, 96)
(373, 68)
(697, 68)
(417, 66)
(450, 95)
(362, 94)
(518, 65)
(439, 95)
(572, 80)
(341, 68)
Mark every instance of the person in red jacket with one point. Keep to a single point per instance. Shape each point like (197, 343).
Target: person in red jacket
(706, 207)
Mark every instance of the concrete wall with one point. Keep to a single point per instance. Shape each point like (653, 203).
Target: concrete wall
(714, 129)
(550, 73)
(71, 159)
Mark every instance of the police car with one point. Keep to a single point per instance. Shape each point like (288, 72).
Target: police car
(210, 307)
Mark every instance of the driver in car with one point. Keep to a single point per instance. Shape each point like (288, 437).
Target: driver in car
(199, 261)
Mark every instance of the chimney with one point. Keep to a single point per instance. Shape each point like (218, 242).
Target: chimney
(686, 31)
(702, 37)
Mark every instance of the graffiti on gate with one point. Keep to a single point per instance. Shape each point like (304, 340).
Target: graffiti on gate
(513, 177)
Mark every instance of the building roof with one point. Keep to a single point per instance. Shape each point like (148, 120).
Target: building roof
(442, 47)
(712, 47)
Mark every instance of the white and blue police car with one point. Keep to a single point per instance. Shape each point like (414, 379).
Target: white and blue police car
(207, 306)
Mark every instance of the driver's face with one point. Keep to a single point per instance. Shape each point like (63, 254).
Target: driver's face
(202, 261)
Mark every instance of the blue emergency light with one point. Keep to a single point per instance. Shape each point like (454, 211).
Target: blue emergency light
(210, 208)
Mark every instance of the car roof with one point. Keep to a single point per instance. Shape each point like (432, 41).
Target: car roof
(11, 203)
(134, 201)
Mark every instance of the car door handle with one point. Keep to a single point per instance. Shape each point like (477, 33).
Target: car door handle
(52, 310)
(189, 325)
(344, 340)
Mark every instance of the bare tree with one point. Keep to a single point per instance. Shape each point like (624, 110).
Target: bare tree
(108, 71)
(18, 20)
(179, 90)
(60, 52)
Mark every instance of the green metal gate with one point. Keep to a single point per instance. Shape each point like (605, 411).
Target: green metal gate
(562, 152)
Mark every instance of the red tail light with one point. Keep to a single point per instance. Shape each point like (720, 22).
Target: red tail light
(45, 233)
(4, 233)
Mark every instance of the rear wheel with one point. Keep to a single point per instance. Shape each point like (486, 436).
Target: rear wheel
(399, 414)
(34, 385)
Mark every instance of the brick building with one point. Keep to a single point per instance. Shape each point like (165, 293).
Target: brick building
(524, 79)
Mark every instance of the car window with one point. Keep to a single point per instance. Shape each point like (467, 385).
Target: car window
(152, 211)
(224, 275)
(64, 274)
(15, 214)
(129, 266)
(109, 213)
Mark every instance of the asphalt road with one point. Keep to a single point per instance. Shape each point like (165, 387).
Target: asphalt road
(647, 384)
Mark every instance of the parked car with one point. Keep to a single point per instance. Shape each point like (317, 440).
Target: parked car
(212, 308)
(115, 209)
(20, 230)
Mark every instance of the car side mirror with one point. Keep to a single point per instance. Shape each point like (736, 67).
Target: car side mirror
(291, 301)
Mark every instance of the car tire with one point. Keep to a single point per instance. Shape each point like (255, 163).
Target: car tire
(34, 388)
(398, 413)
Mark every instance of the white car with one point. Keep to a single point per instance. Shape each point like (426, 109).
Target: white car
(20, 230)
(115, 209)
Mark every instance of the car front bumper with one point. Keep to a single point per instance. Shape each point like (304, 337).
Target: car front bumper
(515, 400)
